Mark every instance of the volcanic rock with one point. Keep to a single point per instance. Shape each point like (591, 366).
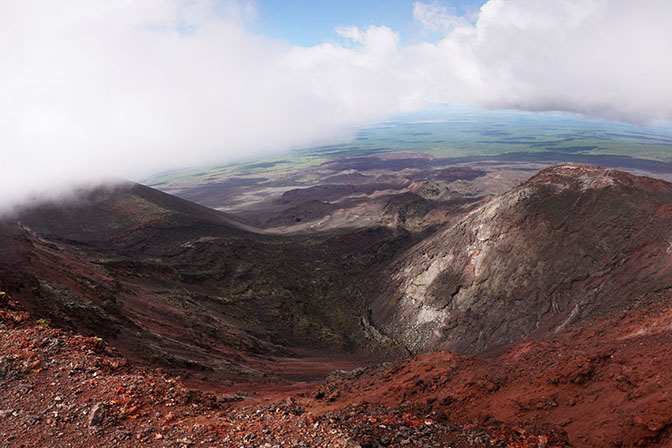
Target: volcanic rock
(97, 414)
(4, 366)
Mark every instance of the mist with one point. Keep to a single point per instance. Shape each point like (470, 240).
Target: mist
(94, 90)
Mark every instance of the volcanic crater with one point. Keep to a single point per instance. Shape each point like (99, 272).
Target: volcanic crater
(538, 316)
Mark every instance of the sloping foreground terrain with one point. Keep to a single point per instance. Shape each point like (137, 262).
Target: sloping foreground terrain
(605, 383)
(572, 242)
(63, 389)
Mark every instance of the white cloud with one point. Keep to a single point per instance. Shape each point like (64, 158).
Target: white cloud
(437, 17)
(350, 32)
(92, 88)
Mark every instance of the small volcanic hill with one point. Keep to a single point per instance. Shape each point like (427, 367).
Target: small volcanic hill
(570, 243)
(112, 215)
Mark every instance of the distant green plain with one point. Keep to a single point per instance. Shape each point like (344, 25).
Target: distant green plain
(455, 134)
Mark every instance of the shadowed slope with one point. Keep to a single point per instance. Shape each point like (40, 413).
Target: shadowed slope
(173, 282)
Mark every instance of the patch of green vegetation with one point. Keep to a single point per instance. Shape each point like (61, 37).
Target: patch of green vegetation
(44, 323)
(307, 180)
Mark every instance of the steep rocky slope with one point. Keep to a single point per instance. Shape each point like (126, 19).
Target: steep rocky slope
(171, 282)
(570, 243)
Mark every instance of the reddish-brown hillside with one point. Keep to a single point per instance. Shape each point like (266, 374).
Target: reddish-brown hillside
(606, 382)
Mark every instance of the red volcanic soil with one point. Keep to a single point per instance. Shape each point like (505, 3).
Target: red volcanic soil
(606, 382)
(62, 389)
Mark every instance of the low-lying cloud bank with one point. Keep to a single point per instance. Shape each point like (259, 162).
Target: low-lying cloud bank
(95, 88)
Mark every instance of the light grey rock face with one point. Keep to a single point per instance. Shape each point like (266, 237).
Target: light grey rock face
(572, 242)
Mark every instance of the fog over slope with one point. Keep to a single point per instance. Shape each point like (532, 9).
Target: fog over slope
(95, 89)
